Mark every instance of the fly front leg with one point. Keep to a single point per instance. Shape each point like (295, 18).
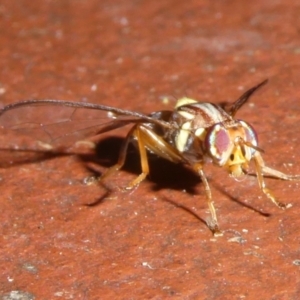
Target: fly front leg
(214, 226)
(261, 170)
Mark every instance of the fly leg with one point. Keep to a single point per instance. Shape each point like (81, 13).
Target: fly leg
(261, 170)
(122, 156)
(213, 225)
(138, 134)
(146, 139)
(134, 133)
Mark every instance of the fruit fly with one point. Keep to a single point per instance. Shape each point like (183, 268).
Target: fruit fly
(189, 134)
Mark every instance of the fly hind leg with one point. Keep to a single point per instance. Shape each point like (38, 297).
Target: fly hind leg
(122, 156)
(147, 139)
(140, 134)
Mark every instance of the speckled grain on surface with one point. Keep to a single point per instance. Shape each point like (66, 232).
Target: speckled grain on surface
(151, 244)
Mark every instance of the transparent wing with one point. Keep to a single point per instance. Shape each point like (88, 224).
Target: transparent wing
(62, 123)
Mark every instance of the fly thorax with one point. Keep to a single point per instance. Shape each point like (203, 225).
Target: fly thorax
(182, 137)
(192, 119)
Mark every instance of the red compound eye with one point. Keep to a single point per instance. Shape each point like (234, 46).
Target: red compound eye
(217, 142)
(250, 133)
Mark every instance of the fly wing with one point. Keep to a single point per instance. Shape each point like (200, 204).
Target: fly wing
(244, 98)
(60, 124)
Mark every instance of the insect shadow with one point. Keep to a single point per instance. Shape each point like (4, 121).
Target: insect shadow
(163, 174)
(236, 200)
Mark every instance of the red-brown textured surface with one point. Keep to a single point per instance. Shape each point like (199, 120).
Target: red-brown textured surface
(151, 244)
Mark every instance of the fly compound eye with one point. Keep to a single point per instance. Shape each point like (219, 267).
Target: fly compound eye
(218, 144)
(250, 136)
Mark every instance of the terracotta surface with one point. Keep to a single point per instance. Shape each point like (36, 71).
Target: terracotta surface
(64, 239)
